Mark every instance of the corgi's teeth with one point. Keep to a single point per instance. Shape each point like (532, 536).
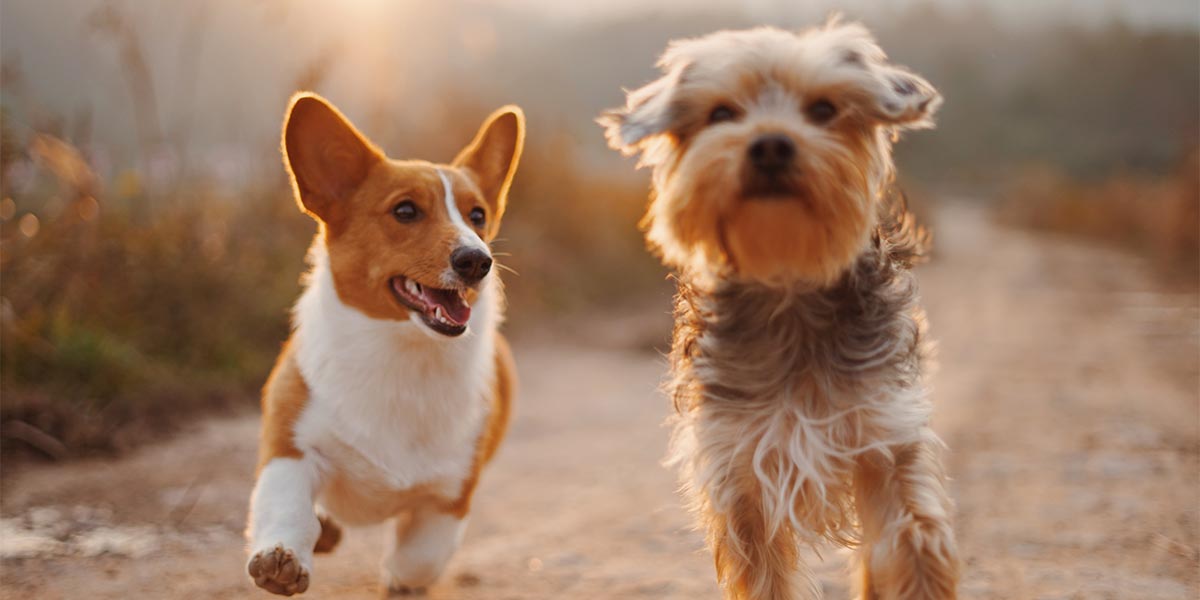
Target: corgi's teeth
(412, 287)
(437, 314)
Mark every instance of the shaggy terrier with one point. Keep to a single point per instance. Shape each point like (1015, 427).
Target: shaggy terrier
(799, 344)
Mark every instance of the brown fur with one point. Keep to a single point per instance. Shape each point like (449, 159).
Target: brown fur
(283, 399)
(331, 535)
(366, 248)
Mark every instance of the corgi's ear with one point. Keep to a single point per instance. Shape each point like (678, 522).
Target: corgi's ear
(493, 156)
(326, 156)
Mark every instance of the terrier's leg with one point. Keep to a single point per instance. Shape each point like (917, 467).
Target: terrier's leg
(417, 550)
(751, 562)
(283, 527)
(908, 547)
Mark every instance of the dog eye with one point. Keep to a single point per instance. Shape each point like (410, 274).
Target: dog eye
(406, 212)
(477, 217)
(821, 111)
(721, 113)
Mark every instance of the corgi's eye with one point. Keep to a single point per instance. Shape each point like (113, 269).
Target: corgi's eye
(406, 212)
(721, 114)
(821, 112)
(477, 217)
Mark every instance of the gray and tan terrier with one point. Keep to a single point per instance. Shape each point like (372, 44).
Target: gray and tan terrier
(799, 345)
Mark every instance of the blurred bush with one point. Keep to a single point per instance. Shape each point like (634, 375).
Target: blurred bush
(128, 307)
(1157, 216)
(149, 247)
(135, 310)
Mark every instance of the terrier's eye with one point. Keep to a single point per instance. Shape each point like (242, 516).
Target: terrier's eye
(821, 112)
(478, 218)
(721, 113)
(406, 212)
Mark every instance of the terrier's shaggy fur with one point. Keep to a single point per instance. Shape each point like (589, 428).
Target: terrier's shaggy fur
(799, 342)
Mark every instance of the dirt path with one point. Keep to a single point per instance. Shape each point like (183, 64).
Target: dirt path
(1067, 393)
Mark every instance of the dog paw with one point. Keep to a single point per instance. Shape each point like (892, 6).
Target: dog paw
(278, 571)
(396, 590)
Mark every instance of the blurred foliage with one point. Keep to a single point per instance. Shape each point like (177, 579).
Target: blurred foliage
(127, 308)
(138, 286)
(1085, 100)
(1156, 216)
(119, 310)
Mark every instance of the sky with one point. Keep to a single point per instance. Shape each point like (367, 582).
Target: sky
(1155, 13)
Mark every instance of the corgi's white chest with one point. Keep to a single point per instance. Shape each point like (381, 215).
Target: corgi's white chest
(392, 404)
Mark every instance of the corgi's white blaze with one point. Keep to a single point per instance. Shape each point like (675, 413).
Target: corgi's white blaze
(467, 237)
(391, 406)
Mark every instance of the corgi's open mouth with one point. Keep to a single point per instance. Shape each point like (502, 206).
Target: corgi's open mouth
(443, 310)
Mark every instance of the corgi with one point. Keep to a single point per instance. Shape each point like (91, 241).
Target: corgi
(395, 387)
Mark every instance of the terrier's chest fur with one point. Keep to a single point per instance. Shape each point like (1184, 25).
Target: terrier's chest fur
(799, 383)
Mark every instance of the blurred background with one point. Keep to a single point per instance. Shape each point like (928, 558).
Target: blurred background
(150, 249)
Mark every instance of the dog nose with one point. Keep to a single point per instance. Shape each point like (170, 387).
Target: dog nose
(772, 152)
(472, 264)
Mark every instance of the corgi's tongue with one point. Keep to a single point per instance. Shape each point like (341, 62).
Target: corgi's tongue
(450, 302)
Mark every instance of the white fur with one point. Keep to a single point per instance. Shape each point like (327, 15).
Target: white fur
(804, 465)
(467, 237)
(392, 406)
(417, 552)
(389, 402)
(283, 511)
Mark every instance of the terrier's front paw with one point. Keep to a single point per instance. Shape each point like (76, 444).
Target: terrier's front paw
(278, 571)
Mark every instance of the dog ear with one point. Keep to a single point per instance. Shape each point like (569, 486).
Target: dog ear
(648, 112)
(884, 92)
(325, 155)
(493, 156)
(901, 98)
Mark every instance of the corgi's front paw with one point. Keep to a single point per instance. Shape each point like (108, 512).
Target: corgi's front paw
(278, 571)
(399, 590)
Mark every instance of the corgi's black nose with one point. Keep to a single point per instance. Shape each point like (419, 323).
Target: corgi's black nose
(472, 264)
(772, 152)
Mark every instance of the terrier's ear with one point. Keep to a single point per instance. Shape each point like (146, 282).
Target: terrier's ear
(901, 98)
(493, 156)
(886, 93)
(648, 112)
(326, 156)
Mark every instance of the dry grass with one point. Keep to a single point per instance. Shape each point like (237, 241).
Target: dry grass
(126, 309)
(134, 309)
(1153, 215)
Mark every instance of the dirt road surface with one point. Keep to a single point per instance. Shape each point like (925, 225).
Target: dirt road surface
(1067, 394)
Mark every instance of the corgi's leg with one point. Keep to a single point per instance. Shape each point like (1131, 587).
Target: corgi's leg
(908, 546)
(330, 535)
(417, 550)
(283, 526)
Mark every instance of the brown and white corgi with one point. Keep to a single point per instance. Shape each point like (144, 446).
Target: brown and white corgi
(395, 387)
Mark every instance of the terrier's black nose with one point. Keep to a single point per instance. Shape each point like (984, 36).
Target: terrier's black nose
(472, 264)
(772, 152)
